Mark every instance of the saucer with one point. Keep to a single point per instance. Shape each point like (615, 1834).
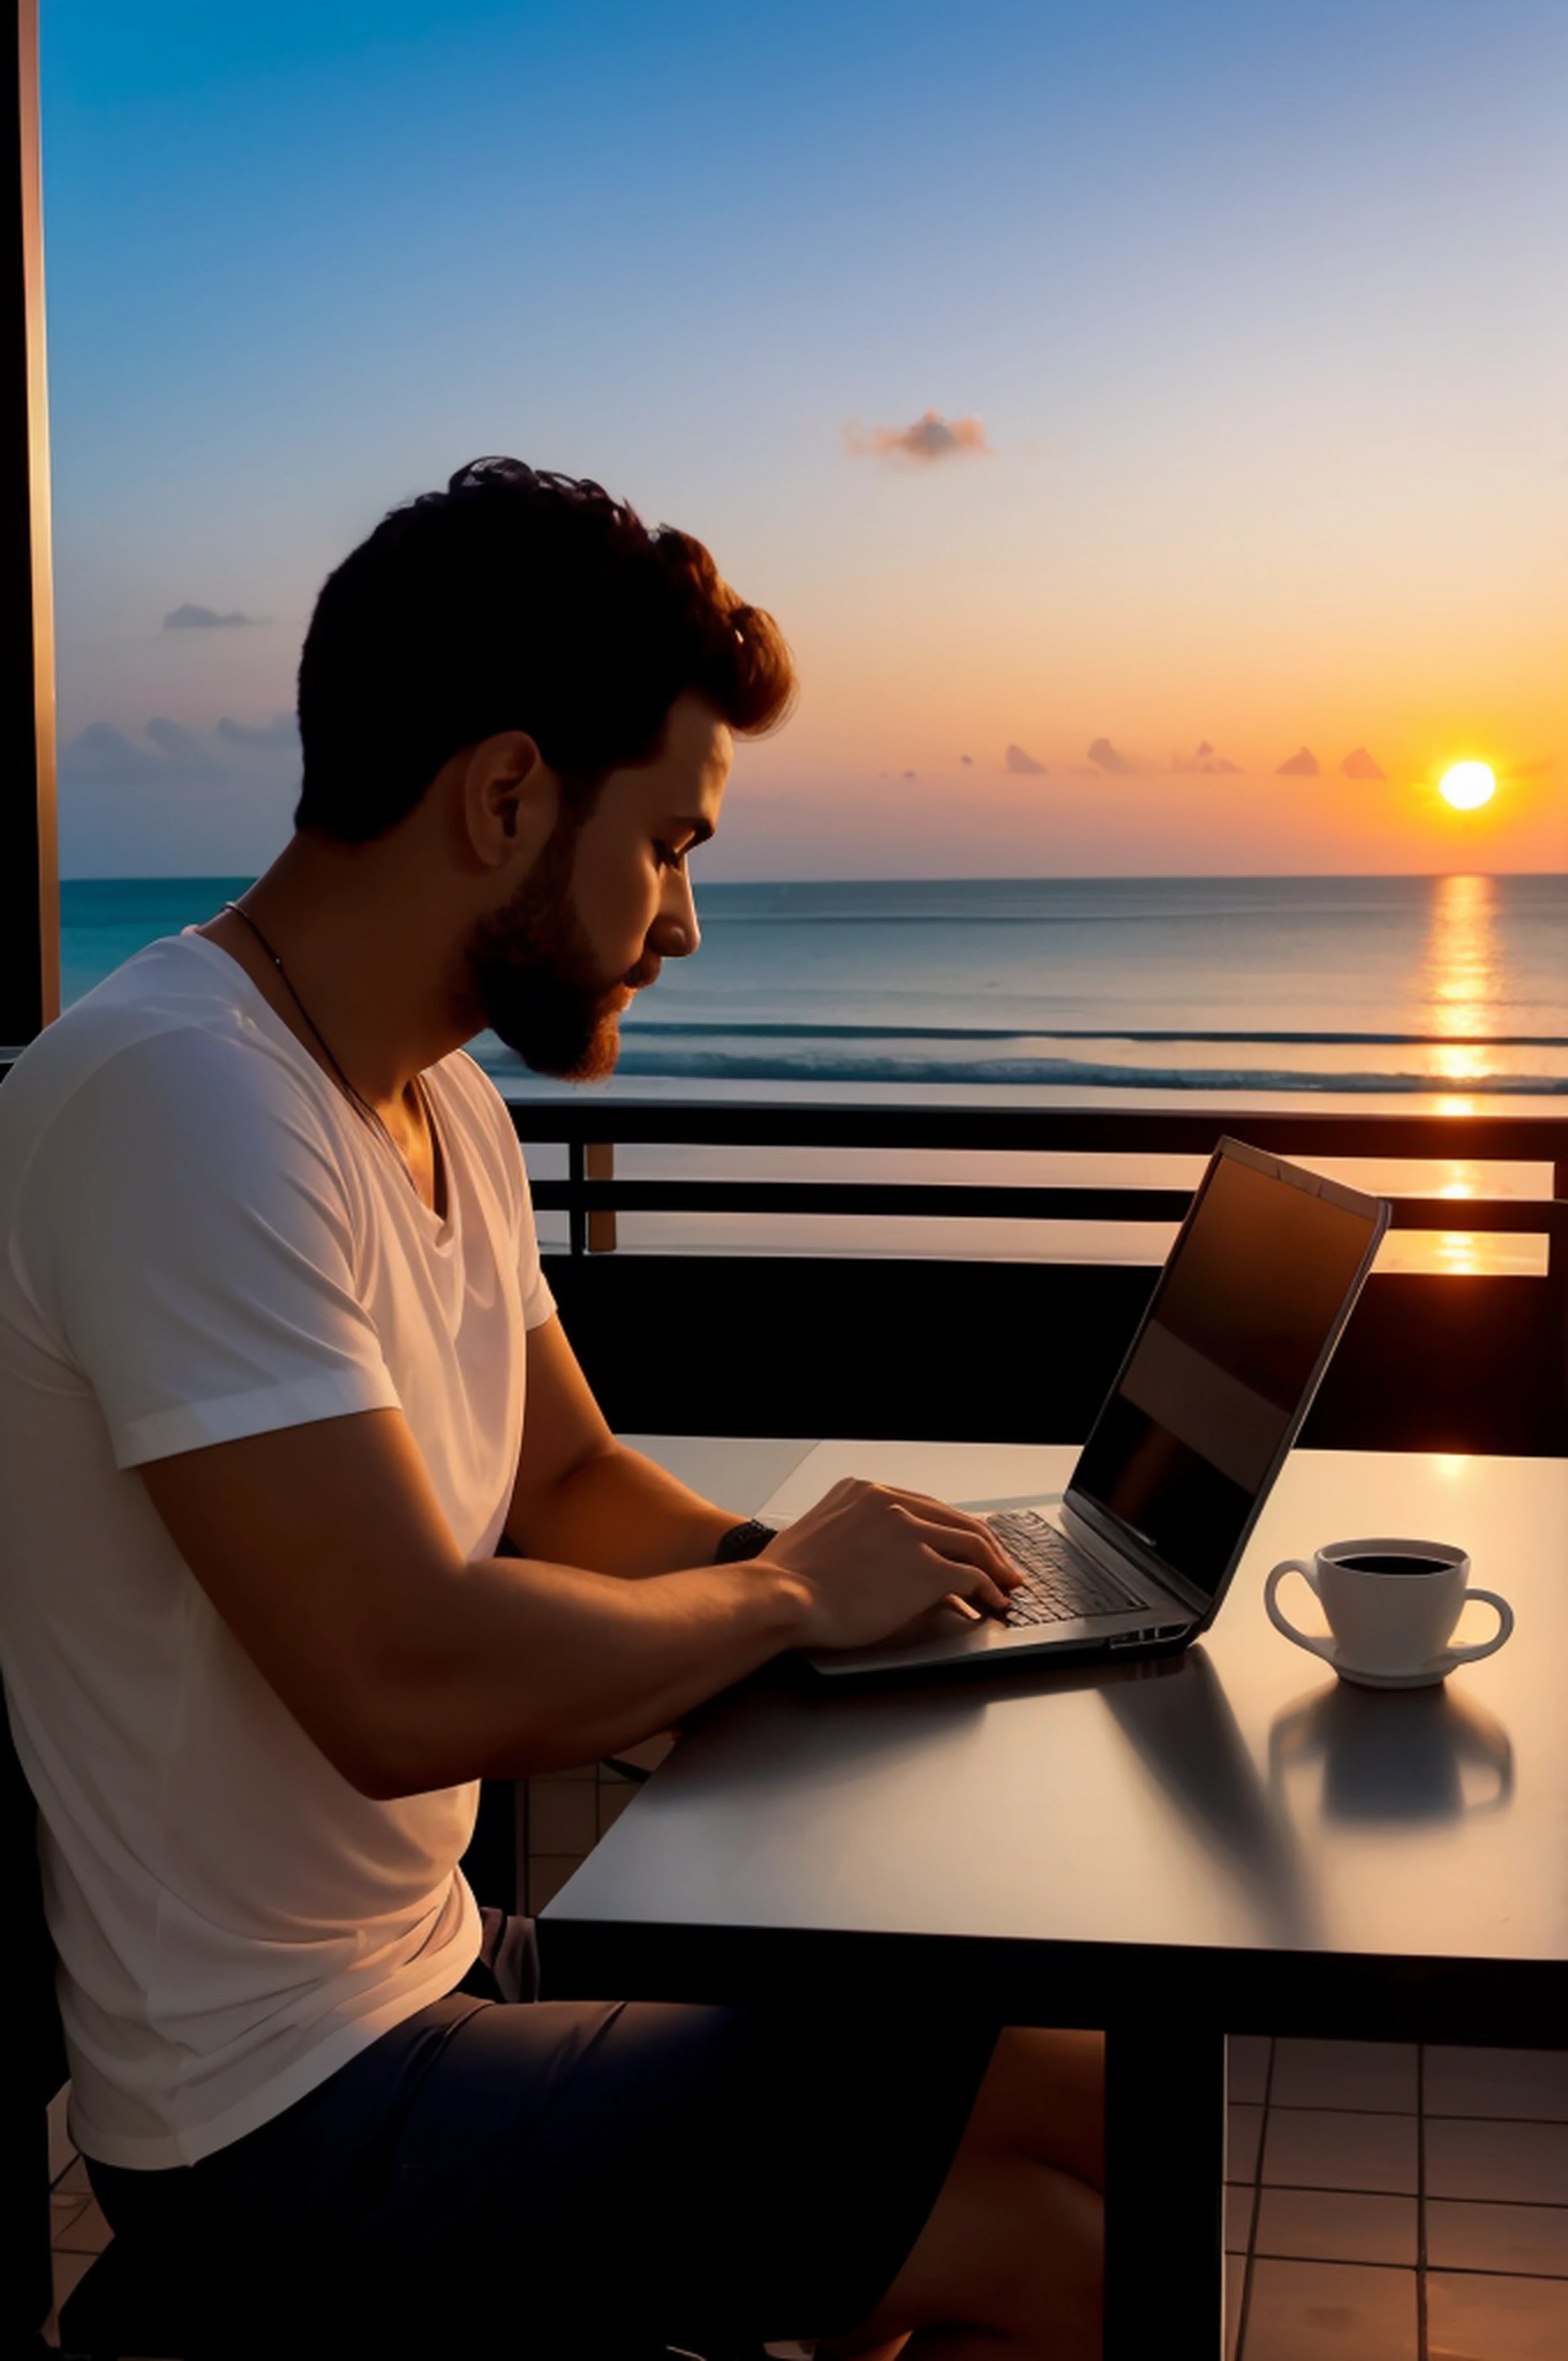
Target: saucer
(1427, 1676)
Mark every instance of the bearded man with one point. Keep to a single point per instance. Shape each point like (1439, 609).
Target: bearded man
(314, 1522)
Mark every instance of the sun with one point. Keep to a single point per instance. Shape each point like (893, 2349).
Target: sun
(1467, 786)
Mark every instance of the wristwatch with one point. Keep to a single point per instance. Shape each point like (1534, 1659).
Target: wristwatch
(748, 1540)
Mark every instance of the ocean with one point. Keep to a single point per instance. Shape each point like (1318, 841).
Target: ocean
(1395, 993)
(1034, 989)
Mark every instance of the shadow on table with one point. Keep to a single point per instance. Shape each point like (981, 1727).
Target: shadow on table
(1394, 1756)
(1177, 1719)
(1172, 1713)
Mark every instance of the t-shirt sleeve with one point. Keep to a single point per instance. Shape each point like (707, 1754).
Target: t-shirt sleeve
(188, 1243)
(538, 1302)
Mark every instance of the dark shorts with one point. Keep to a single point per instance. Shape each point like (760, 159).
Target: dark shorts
(510, 2176)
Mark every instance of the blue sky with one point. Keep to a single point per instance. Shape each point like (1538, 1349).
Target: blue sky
(1259, 307)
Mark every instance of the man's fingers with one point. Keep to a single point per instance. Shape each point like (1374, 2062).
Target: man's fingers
(967, 1540)
(981, 1592)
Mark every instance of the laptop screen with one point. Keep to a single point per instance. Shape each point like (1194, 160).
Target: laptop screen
(1190, 1435)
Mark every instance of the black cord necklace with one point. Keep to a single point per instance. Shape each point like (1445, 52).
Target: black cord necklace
(357, 1097)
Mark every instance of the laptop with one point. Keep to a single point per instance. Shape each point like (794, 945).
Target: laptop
(1138, 1556)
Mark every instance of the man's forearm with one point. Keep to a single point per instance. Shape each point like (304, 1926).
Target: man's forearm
(619, 1513)
(539, 1667)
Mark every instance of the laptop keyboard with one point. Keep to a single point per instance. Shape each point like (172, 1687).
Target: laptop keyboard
(1056, 1587)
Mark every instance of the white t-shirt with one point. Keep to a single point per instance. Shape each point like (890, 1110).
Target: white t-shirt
(203, 1239)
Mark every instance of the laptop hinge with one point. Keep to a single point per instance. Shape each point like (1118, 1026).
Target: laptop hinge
(1115, 1550)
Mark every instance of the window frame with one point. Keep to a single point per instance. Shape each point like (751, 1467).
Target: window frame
(29, 862)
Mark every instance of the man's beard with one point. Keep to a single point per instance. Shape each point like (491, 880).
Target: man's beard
(542, 989)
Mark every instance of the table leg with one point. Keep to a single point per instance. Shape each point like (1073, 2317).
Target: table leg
(1164, 2169)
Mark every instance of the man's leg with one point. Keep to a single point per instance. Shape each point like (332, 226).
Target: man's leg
(1010, 2261)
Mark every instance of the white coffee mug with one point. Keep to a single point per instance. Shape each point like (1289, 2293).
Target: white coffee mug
(1391, 1604)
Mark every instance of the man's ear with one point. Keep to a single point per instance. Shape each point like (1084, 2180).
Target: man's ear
(510, 799)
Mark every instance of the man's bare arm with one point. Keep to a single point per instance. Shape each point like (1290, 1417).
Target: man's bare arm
(582, 1498)
(324, 1550)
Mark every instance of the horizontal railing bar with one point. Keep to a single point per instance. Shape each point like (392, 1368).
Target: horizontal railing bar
(1538, 1216)
(957, 1201)
(1535, 1140)
(821, 1197)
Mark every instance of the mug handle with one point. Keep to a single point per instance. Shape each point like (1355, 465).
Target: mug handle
(1324, 1647)
(1484, 1647)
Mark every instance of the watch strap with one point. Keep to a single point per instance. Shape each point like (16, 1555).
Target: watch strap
(743, 1541)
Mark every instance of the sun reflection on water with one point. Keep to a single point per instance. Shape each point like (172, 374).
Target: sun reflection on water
(1460, 978)
(1461, 973)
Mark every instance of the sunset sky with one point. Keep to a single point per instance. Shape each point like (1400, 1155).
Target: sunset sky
(1137, 378)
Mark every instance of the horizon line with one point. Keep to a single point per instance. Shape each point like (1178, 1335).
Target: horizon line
(1030, 877)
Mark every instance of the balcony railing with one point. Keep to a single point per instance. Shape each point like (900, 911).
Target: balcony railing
(594, 1192)
(975, 1340)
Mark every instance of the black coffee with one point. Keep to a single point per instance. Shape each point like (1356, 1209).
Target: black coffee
(1391, 1564)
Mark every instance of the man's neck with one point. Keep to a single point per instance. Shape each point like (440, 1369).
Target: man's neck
(360, 971)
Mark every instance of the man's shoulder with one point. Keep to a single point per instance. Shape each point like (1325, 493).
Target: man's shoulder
(155, 1038)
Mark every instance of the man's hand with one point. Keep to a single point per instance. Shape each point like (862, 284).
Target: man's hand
(872, 1558)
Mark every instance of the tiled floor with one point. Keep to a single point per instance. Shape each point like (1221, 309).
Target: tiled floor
(568, 1811)
(1390, 2204)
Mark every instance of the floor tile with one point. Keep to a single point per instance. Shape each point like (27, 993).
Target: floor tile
(1312, 2147)
(547, 1873)
(612, 1802)
(86, 2233)
(648, 1753)
(63, 2210)
(1238, 2219)
(1375, 2074)
(1331, 2225)
(1244, 2135)
(1481, 2318)
(1497, 2083)
(1246, 2067)
(563, 1817)
(1465, 2237)
(1516, 2164)
(1236, 2282)
(1306, 2311)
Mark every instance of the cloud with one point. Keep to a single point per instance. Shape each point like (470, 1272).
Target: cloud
(190, 618)
(1105, 755)
(1360, 765)
(1024, 766)
(1206, 761)
(103, 753)
(166, 753)
(932, 437)
(1302, 764)
(171, 800)
(278, 736)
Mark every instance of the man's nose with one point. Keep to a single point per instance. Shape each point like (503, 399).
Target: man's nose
(675, 933)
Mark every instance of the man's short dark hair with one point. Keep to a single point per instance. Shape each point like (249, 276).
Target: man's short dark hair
(517, 600)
